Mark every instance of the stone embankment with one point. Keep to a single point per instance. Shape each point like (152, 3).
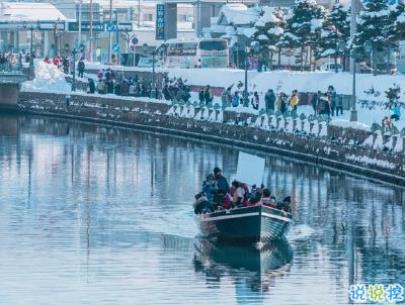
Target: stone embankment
(357, 151)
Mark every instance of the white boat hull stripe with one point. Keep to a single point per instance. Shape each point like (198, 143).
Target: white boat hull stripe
(245, 215)
(277, 217)
(229, 216)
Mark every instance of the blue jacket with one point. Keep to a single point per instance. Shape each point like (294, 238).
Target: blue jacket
(222, 184)
(397, 111)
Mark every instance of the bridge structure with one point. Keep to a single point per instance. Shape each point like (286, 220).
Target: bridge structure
(10, 80)
(204, 10)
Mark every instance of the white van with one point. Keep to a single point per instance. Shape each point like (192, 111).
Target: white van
(331, 67)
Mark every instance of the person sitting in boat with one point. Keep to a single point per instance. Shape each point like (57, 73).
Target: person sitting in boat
(285, 205)
(239, 194)
(222, 187)
(201, 204)
(267, 199)
(255, 195)
(209, 187)
(222, 183)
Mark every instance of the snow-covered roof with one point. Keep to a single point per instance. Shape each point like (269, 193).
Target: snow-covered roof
(238, 14)
(29, 11)
(268, 16)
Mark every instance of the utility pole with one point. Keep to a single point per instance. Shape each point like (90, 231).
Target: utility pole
(80, 24)
(91, 31)
(353, 30)
(139, 13)
(74, 69)
(31, 73)
(109, 33)
(117, 37)
(245, 91)
(154, 91)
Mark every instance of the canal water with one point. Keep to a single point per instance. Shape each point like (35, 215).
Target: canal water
(97, 215)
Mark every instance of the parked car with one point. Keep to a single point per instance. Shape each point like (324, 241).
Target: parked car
(331, 67)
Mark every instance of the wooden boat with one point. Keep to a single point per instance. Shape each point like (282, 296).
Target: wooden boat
(247, 224)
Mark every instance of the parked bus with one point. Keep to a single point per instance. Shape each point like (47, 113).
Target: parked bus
(196, 53)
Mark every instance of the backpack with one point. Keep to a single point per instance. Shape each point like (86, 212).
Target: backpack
(235, 101)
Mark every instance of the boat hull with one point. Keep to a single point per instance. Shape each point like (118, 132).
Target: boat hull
(248, 224)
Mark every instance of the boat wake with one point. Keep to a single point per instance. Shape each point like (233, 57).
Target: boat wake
(300, 232)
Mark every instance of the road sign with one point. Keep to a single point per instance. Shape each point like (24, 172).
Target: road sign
(134, 41)
(116, 47)
(160, 21)
(112, 27)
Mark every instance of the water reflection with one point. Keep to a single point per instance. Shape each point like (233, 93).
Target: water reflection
(252, 267)
(106, 214)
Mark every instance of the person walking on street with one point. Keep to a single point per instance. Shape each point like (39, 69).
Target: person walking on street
(208, 95)
(80, 68)
(281, 102)
(315, 102)
(235, 99)
(270, 99)
(332, 99)
(324, 108)
(294, 101)
(255, 101)
(339, 105)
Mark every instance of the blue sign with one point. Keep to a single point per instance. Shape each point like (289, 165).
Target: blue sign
(99, 26)
(116, 47)
(160, 21)
(112, 27)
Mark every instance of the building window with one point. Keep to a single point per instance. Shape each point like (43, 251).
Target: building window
(147, 17)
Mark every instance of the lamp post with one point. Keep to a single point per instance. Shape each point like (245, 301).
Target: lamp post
(31, 69)
(154, 91)
(79, 38)
(117, 38)
(74, 52)
(353, 29)
(245, 90)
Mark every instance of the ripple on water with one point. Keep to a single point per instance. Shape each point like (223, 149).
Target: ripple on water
(92, 215)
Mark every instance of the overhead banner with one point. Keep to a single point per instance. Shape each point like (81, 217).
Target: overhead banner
(101, 26)
(36, 26)
(160, 21)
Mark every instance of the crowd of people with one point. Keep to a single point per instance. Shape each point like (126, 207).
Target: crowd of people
(175, 89)
(218, 194)
(327, 103)
(10, 61)
(280, 102)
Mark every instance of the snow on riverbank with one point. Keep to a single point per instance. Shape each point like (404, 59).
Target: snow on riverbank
(48, 78)
(285, 81)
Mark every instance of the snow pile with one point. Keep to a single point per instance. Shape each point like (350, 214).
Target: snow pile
(239, 14)
(48, 78)
(371, 161)
(349, 124)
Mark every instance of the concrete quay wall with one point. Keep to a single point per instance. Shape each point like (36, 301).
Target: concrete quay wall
(328, 151)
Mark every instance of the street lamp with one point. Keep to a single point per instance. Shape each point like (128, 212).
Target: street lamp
(74, 52)
(153, 93)
(31, 69)
(245, 90)
(353, 29)
(254, 48)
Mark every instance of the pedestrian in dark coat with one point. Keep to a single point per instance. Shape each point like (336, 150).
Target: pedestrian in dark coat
(92, 86)
(270, 99)
(80, 68)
